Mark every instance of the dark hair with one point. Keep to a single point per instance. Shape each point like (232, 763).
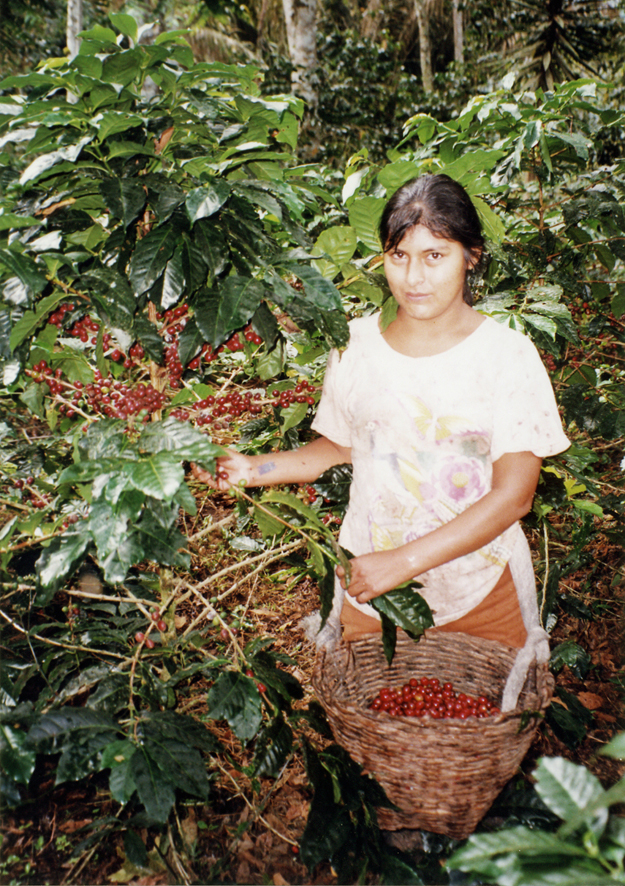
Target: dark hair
(440, 204)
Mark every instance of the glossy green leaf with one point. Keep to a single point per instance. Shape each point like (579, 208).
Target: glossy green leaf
(573, 656)
(180, 438)
(125, 24)
(125, 197)
(147, 333)
(159, 475)
(155, 790)
(406, 608)
(58, 561)
(181, 763)
(364, 217)
(204, 201)
(121, 68)
(27, 325)
(173, 279)
(231, 306)
(235, 698)
(150, 257)
(273, 747)
(17, 760)
(339, 244)
(567, 788)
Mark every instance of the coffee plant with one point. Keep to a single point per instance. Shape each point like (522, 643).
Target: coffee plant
(172, 279)
(586, 847)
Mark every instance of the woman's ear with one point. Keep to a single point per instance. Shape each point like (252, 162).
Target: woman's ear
(473, 258)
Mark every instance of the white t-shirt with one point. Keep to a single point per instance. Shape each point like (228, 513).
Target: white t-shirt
(424, 433)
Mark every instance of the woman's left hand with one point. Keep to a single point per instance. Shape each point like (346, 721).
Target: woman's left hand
(374, 574)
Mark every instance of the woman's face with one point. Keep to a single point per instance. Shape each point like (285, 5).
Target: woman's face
(426, 275)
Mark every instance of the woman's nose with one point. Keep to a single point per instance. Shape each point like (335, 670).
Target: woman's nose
(414, 274)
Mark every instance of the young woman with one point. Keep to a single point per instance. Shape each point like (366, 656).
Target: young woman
(445, 416)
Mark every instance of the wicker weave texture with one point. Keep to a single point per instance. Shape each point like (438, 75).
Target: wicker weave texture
(442, 774)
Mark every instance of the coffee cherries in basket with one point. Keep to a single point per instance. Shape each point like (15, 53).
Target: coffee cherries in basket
(428, 697)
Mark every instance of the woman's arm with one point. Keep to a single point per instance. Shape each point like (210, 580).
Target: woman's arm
(301, 465)
(515, 477)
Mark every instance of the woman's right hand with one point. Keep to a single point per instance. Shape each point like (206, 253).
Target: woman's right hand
(233, 469)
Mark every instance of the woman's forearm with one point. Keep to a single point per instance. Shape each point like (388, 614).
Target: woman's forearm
(302, 465)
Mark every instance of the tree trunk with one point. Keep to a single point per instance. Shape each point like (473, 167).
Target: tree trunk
(372, 19)
(301, 32)
(74, 26)
(458, 32)
(425, 50)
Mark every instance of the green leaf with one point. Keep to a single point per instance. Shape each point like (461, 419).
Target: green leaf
(150, 257)
(58, 561)
(290, 502)
(406, 608)
(32, 319)
(292, 416)
(159, 475)
(135, 850)
(121, 68)
(69, 721)
(182, 764)
(17, 761)
(615, 747)
(125, 197)
(493, 227)
(147, 333)
(618, 302)
(268, 525)
(236, 699)
(73, 364)
(573, 656)
(125, 24)
(174, 278)
(567, 788)
(221, 311)
(519, 842)
(364, 217)
(182, 439)
(339, 244)
(121, 780)
(273, 747)
(205, 201)
(155, 790)
(389, 637)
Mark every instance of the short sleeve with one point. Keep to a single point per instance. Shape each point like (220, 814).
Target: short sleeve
(331, 420)
(526, 417)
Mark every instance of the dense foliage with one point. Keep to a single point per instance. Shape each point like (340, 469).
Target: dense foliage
(172, 279)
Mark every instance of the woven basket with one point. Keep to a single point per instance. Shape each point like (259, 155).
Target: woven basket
(442, 774)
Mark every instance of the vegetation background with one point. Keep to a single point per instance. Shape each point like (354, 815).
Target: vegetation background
(188, 205)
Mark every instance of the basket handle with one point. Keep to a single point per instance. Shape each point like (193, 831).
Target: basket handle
(536, 649)
(536, 646)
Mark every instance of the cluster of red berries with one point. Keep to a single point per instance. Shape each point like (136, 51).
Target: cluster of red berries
(231, 405)
(160, 625)
(117, 400)
(427, 697)
(56, 317)
(302, 393)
